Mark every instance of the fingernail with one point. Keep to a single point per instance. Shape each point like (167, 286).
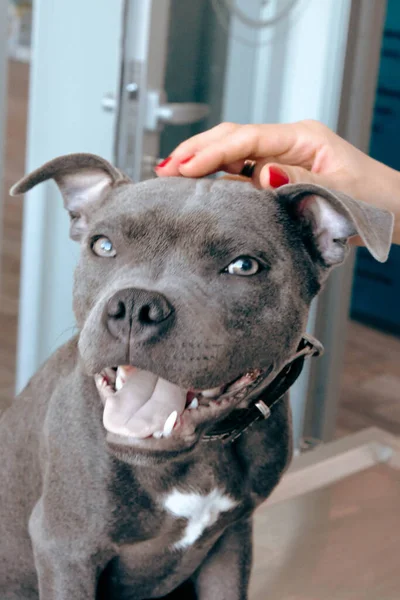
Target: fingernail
(163, 163)
(186, 160)
(277, 177)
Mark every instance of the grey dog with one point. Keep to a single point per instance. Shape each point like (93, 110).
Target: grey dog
(132, 462)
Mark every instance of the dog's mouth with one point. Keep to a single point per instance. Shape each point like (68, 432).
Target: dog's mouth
(140, 406)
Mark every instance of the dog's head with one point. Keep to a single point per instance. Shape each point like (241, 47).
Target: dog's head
(202, 287)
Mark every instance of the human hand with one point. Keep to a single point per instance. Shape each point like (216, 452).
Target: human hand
(306, 151)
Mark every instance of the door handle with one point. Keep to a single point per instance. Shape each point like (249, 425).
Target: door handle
(160, 113)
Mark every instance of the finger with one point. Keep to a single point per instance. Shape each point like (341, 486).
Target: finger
(187, 149)
(236, 178)
(202, 140)
(275, 175)
(268, 142)
(171, 168)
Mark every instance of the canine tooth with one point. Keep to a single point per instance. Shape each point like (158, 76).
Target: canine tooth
(101, 381)
(120, 378)
(194, 404)
(169, 423)
(158, 435)
(212, 392)
(123, 373)
(119, 382)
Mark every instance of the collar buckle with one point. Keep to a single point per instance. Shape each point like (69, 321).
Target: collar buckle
(263, 408)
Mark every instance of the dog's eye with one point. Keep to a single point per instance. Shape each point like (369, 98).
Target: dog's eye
(244, 266)
(103, 247)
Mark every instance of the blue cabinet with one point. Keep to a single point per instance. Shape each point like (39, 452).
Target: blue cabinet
(376, 291)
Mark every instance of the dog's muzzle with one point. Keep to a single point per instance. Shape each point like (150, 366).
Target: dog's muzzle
(140, 406)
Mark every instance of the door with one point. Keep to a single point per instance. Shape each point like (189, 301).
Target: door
(148, 75)
(156, 103)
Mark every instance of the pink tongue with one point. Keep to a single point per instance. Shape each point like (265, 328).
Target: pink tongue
(143, 405)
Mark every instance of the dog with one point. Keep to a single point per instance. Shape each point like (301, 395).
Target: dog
(135, 457)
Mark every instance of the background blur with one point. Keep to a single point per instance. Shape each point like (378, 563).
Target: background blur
(129, 80)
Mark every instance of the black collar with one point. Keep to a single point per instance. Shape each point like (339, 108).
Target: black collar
(233, 426)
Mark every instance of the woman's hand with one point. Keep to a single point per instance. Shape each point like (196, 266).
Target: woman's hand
(306, 151)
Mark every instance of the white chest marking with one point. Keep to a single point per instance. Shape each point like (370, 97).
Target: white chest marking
(201, 511)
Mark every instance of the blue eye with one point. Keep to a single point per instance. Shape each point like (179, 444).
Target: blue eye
(244, 266)
(104, 247)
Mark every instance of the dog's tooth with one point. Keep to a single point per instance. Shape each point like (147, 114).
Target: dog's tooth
(158, 435)
(120, 379)
(169, 423)
(119, 383)
(123, 373)
(100, 381)
(194, 404)
(212, 392)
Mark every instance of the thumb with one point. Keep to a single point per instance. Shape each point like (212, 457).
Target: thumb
(274, 175)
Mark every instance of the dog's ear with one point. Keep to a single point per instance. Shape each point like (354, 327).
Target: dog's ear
(83, 179)
(329, 218)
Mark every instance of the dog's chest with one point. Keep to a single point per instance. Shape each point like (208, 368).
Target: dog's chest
(179, 502)
(181, 511)
(198, 511)
(179, 528)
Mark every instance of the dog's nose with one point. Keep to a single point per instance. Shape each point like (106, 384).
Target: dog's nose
(140, 312)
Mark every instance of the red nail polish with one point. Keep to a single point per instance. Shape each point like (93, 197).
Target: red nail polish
(277, 177)
(186, 160)
(164, 162)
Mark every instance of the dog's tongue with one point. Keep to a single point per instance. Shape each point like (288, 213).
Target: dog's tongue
(142, 405)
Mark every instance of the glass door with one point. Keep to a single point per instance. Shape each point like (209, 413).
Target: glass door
(173, 77)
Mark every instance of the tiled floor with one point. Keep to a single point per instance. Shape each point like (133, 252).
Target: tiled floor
(370, 386)
(334, 543)
(370, 391)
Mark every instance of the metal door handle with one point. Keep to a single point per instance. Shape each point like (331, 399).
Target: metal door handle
(159, 112)
(182, 113)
